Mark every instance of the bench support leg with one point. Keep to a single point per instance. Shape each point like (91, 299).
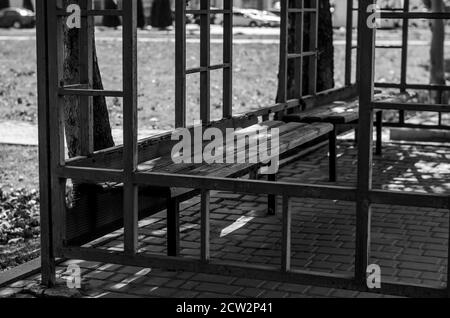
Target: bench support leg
(253, 175)
(272, 199)
(333, 155)
(173, 227)
(379, 148)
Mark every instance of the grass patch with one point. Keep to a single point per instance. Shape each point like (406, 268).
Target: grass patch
(18, 168)
(255, 76)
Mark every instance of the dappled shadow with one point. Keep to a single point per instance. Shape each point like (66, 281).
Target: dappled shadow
(419, 168)
(409, 243)
(403, 167)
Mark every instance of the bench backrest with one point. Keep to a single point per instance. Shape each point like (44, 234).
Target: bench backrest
(154, 147)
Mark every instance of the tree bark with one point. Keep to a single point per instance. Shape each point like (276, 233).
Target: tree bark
(325, 63)
(102, 130)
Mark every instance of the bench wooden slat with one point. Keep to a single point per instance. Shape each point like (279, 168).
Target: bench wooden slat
(339, 112)
(166, 165)
(98, 209)
(288, 141)
(292, 139)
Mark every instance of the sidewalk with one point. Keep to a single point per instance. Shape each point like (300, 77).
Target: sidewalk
(409, 243)
(242, 36)
(26, 134)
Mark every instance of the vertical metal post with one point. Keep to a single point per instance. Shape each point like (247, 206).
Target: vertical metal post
(333, 155)
(130, 159)
(287, 228)
(404, 62)
(349, 44)
(440, 100)
(86, 59)
(173, 227)
(180, 64)
(448, 261)
(56, 122)
(299, 39)
(228, 59)
(205, 226)
(282, 94)
(48, 273)
(358, 41)
(205, 75)
(365, 144)
(313, 47)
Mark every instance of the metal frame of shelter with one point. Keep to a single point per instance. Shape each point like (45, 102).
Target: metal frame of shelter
(405, 14)
(55, 170)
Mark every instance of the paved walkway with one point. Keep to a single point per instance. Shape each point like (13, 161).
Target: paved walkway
(410, 244)
(243, 35)
(26, 134)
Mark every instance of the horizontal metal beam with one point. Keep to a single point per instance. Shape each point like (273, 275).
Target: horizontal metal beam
(300, 55)
(262, 272)
(430, 87)
(90, 174)
(415, 15)
(90, 13)
(414, 199)
(245, 186)
(438, 108)
(88, 92)
(302, 10)
(212, 11)
(207, 68)
(416, 126)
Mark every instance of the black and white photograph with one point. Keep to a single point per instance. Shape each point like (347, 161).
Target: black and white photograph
(224, 156)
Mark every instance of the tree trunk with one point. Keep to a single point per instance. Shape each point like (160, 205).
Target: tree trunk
(437, 60)
(28, 4)
(325, 63)
(102, 129)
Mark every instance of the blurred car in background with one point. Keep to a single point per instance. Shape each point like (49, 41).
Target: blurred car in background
(273, 19)
(213, 17)
(17, 18)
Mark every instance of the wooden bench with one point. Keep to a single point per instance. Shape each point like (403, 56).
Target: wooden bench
(341, 114)
(97, 209)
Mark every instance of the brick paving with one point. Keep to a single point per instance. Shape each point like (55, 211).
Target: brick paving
(409, 243)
